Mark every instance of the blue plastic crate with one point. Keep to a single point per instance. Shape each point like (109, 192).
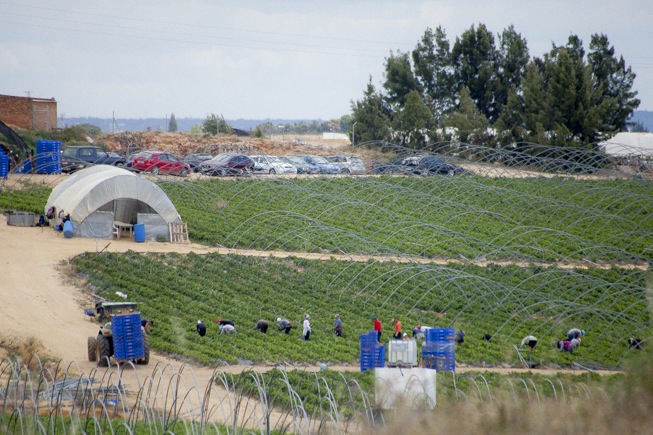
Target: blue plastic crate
(127, 336)
(439, 334)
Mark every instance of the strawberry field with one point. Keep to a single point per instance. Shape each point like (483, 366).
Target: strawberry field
(531, 219)
(507, 302)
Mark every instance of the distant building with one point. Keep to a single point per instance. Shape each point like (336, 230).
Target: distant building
(29, 113)
(629, 144)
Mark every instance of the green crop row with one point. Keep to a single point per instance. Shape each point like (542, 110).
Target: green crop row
(469, 217)
(505, 302)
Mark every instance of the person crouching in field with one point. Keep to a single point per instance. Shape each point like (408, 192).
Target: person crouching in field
(284, 325)
(221, 322)
(635, 343)
(201, 328)
(337, 326)
(262, 325)
(529, 340)
(227, 329)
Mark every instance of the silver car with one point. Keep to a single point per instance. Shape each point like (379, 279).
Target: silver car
(266, 164)
(347, 164)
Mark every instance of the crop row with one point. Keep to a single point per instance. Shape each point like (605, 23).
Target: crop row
(505, 302)
(469, 217)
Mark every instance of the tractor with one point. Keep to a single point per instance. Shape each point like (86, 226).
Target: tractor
(121, 335)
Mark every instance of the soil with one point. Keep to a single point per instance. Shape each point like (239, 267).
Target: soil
(43, 305)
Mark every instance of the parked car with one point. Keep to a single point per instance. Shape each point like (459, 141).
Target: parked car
(158, 162)
(393, 167)
(194, 160)
(227, 164)
(430, 165)
(74, 158)
(347, 164)
(418, 165)
(267, 164)
(323, 166)
(300, 165)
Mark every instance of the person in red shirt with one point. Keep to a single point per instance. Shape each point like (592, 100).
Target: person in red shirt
(377, 326)
(397, 334)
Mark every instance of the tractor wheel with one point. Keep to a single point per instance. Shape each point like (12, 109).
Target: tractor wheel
(146, 351)
(92, 349)
(104, 351)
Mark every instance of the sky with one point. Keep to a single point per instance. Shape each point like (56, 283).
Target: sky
(267, 59)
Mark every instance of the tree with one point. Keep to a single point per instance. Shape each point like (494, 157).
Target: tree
(434, 71)
(474, 57)
(512, 59)
(172, 124)
(468, 120)
(214, 124)
(413, 120)
(399, 79)
(533, 100)
(371, 116)
(267, 128)
(612, 84)
(90, 129)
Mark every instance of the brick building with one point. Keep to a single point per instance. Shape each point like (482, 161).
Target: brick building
(29, 113)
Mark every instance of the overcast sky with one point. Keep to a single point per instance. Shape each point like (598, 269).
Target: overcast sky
(267, 59)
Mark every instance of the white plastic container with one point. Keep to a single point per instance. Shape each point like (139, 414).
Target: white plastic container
(402, 353)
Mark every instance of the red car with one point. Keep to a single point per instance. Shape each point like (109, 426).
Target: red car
(158, 162)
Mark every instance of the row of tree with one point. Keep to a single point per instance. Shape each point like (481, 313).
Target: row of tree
(490, 91)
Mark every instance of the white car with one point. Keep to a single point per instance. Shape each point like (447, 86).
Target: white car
(266, 164)
(347, 164)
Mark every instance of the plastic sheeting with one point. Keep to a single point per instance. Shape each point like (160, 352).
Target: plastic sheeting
(412, 388)
(96, 196)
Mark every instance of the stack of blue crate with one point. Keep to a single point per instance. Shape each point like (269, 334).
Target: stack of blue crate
(127, 336)
(4, 165)
(372, 353)
(439, 350)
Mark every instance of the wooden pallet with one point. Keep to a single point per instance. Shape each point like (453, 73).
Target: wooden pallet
(178, 232)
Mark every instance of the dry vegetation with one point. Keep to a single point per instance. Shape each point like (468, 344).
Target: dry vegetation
(182, 144)
(626, 410)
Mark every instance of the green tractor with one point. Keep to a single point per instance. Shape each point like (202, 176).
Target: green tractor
(121, 335)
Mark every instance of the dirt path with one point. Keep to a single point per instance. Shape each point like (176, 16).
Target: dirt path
(39, 302)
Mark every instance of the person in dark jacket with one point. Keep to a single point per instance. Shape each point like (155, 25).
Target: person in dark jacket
(201, 328)
(337, 326)
(459, 337)
(262, 325)
(221, 322)
(635, 343)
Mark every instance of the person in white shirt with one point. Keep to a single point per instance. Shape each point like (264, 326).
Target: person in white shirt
(529, 340)
(306, 332)
(227, 329)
